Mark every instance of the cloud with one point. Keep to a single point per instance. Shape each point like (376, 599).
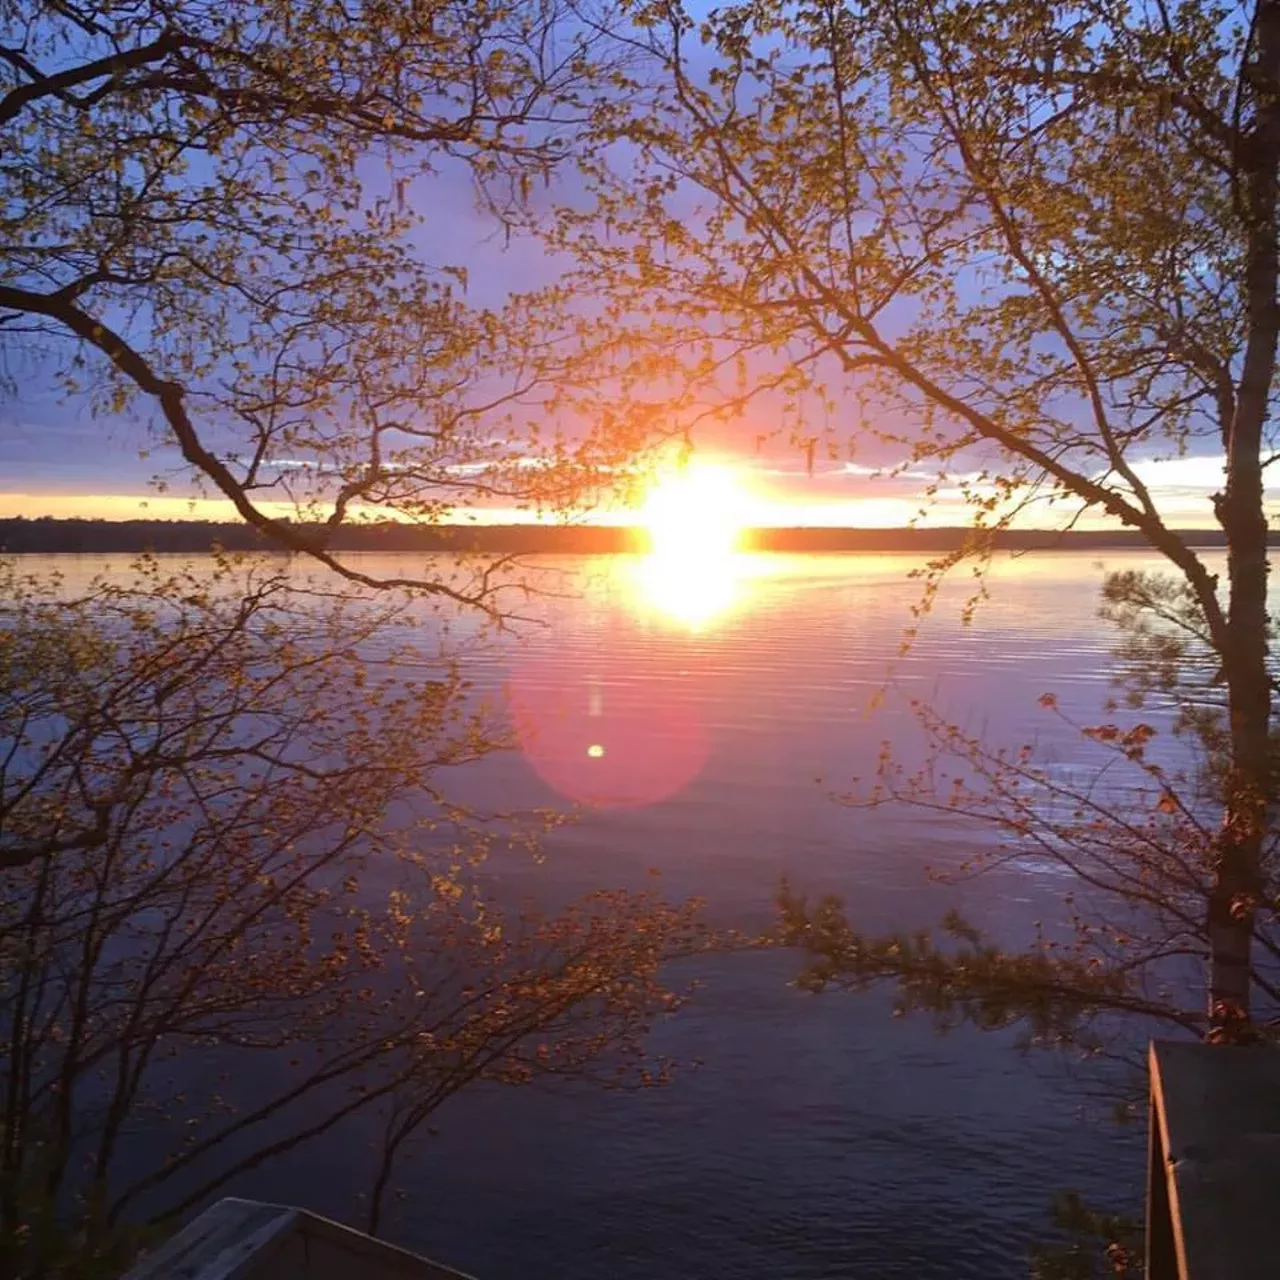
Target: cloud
(1188, 477)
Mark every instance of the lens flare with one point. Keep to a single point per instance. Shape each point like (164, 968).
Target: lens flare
(637, 746)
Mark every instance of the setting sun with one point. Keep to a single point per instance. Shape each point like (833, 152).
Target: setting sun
(700, 511)
(694, 518)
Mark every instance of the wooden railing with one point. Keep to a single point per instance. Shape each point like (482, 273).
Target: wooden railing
(1213, 1193)
(1213, 1187)
(248, 1240)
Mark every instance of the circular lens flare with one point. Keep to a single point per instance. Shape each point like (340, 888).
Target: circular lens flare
(624, 749)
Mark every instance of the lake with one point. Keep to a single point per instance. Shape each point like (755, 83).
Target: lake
(706, 714)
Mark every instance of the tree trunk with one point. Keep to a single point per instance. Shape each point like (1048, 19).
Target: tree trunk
(1238, 872)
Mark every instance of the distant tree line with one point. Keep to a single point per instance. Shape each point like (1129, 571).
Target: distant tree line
(83, 536)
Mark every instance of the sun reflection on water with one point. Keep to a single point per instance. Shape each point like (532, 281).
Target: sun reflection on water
(693, 590)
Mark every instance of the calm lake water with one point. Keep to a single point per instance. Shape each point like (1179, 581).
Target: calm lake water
(708, 712)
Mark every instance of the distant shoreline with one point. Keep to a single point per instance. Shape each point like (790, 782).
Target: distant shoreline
(94, 537)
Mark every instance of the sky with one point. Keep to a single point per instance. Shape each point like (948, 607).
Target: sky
(72, 468)
(58, 459)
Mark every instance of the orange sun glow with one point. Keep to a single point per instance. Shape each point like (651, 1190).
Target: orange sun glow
(695, 518)
(700, 510)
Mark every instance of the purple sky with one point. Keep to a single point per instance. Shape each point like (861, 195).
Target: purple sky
(57, 459)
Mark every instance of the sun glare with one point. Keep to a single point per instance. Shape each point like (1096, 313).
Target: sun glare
(695, 518)
(698, 511)
(688, 591)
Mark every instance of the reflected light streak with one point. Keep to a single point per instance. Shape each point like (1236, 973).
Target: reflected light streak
(691, 590)
(695, 516)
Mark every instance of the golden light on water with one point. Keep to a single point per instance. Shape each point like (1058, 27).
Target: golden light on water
(695, 517)
(593, 733)
(692, 590)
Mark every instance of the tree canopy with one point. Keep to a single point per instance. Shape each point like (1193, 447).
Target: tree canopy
(216, 219)
(1019, 250)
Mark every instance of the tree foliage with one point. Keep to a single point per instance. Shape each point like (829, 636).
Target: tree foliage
(1097, 1245)
(216, 220)
(1022, 248)
(238, 909)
